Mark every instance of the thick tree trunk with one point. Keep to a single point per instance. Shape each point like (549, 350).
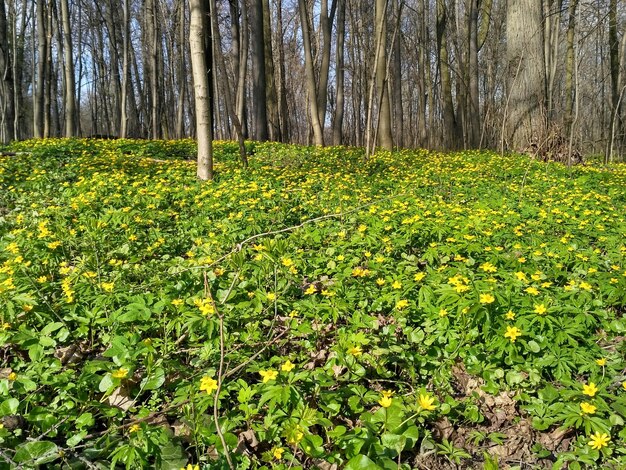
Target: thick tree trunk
(473, 101)
(201, 83)
(270, 76)
(451, 134)
(526, 73)
(282, 76)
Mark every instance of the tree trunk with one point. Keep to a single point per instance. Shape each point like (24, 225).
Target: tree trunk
(270, 76)
(259, 85)
(340, 74)
(474, 100)
(201, 83)
(385, 139)
(282, 76)
(318, 133)
(7, 103)
(451, 137)
(40, 80)
(569, 66)
(398, 110)
(68, 69)
(526, 73)
(243, 70)
(125, 72)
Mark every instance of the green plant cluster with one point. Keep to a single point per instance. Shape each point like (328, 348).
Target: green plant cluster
(328, 311)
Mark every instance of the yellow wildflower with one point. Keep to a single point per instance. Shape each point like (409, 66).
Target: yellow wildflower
(208, 384)
(487, 298)
(512, 332)
(287, 366)
(268, 375)
(587, 408)
(540, 309)
(598, 441)
(590, 389)
(120, 373)
(426, 402)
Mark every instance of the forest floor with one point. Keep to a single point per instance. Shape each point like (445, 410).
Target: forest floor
(415, 310)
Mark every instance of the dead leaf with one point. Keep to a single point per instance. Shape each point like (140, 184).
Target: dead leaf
(120, 398)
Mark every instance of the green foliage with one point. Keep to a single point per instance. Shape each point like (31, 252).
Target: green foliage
(412, 293)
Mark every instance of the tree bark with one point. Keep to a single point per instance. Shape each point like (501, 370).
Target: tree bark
(569, 66)
(68, 69)
(318, 133)
(259, 85)
(40, 80)
(7, 103)
(385, 140)
(340, 73)
(200, 70)
(526, 73)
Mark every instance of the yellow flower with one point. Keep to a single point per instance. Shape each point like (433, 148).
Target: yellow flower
(396, 284)
(419, 276)
(488, 268)
(585, 285)
(624, 385)
(287, 366)
(598, 441)
(208, 384)
(271, 296)
(512, 332)
(601, 362)
(177, 302)
(587, 408)
(540, 309)
(380, 281)
(12, 377)
(532, 291)
(355, 351)
(443, 312)
(278, 452)
(27, 307)
(590, 389)
(190, 467)
(120, 373)
(402, 304)
(426, 402)
(385, 401)
(107, 286)
(521, 276)
(134, 428)
(268, 375)
(510, 315)
(487, 298)
(311, 290)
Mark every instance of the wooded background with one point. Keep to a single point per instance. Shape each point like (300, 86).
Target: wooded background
(449, 74)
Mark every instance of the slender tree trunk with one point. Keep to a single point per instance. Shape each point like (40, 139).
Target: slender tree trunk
(40, 79)
(527, 73)
(243, 69)
(219, 56)
(474, 100)
(259, 84)
(614, 71)
(7, 104)
(125, 72)
(282, 76)
(182, 76)
(70, 81)
(270, 76)
(340, 74)
(318, 133)
(569, 66)
(201, 82)
(397, 100)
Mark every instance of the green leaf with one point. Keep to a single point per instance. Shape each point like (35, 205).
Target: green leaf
(105, 383)
(155, 380)
(361, 462)
(36, 453)
(393, 441)
(533, 346)
(9, 406)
